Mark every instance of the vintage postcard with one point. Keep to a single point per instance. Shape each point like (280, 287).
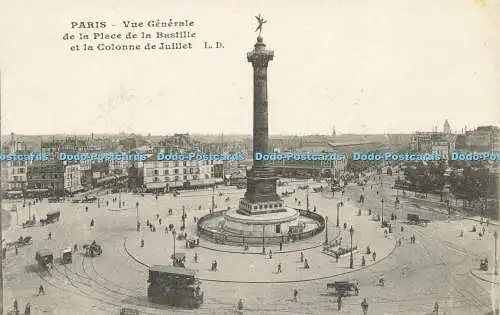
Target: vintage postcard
(250, 157)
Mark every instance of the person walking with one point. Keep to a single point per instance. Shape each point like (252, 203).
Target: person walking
(279, 268)
(295, 293)
(27, 309)
(339, 302)
(364, 306)
(240, 305)
(41, 290)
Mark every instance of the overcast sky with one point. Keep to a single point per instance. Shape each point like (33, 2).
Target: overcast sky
(359, 65)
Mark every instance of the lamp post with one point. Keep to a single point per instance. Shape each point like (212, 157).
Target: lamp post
(382, 218)
(173, 235)
(98, 202)
(263, 240)
(326, 230)
(338, 207)
(119, 199)
(495, 235)
(342, 195)
(213, 200)
(351, 263)
(29, 210)
(137, 211)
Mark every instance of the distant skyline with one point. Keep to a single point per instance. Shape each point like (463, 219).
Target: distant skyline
(360, 66)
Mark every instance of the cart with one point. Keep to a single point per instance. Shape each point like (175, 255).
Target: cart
(416, 219)
(192, 243)
(67, 256)
(179, 259)
(343, 288)
(45, 258)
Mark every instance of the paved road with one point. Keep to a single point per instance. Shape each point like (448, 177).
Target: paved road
(436, 268)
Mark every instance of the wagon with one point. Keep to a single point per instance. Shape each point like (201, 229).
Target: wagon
(67, 256)
(416, 219)
(343, 288)
(192, 243)
(44, 258)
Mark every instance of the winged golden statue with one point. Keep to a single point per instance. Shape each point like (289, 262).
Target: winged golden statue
(261, 22)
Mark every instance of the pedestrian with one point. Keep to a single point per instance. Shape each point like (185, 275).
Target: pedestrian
(195, 257)
(41, 290)
(15, 305)
(27, 309)
(270, 254)
(240, 305)
(281, 246)
(436, 308)
(374, 255)
(363, 262)
(86, 209)
(92, 222)
(301, 257)
(364, 306)
(339, 302)
(295, 293)
(336, 257)
(50, 235)
(159, 221)
(75, 248)
(279, 268)
(16, 250)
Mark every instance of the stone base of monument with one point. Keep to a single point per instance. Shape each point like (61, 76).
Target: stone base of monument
(234, 227)
(269, 224)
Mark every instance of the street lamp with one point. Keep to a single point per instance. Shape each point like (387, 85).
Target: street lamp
(382, 218)
(173, 235)
(263, 240)
(119, 199)
(495, 235)
(326, 230)
(137, 210)
(342, 196)
(351, 232)
(29, 210)
(338, 206)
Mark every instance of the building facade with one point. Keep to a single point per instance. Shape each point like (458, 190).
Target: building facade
(72, 178)
(170, 175)
(46, 178)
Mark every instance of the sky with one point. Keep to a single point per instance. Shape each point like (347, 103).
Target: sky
(361, 66)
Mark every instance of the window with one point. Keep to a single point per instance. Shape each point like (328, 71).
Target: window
(165, 172)
(185, 177)
(156, 179)
(195, 176)
(176, 164)
(184, 171)
(260, 206)
(176, 171)
(177, 178)
(166, 178)
(155, 172)
(184, 163)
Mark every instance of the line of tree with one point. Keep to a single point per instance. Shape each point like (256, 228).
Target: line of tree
(468, 182)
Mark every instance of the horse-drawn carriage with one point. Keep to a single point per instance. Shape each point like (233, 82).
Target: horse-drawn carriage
(318, 189)
(21, 241)
(45, 258)
(51, 217)
(29, 223)
(343, 288)
(93, 249)
(192, 243)
(179, 260)
(416, 219)
(67, 256)
(483, 265)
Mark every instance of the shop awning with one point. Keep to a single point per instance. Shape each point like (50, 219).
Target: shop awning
(155, 185)
(15, 192)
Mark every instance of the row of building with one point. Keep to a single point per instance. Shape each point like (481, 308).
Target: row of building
(483, 138)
